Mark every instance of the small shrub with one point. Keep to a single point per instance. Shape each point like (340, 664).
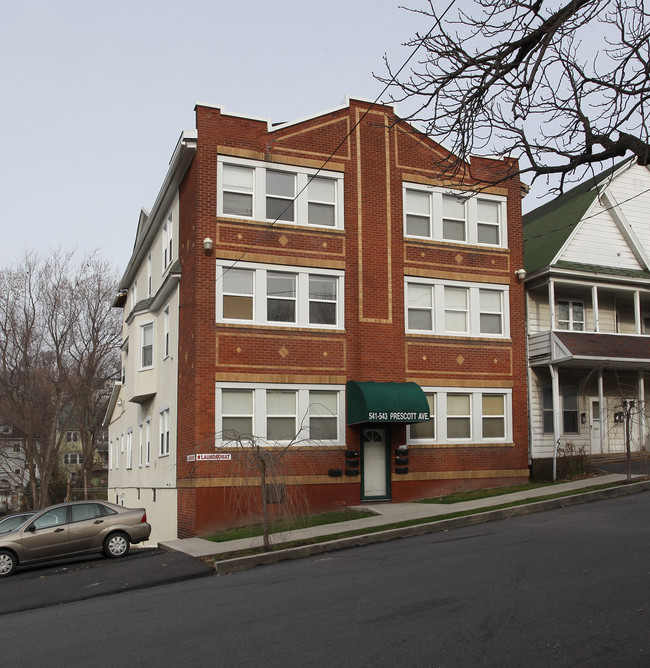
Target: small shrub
(572, 460)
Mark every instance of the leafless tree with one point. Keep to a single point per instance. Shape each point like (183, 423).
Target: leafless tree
(561, 85)
(94, 354)
(44, 326)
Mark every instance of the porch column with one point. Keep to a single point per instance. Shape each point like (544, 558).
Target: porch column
(551, 304)
(637, 311)
(594, 302)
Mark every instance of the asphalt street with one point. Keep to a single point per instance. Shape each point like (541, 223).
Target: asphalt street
(44, 585)
(567, 587)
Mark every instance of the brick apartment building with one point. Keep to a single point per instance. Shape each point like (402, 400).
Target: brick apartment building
(318, 277)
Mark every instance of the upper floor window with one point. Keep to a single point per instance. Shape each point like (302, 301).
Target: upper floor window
(146, 346)
(294, 296)
(437, 214)
(168, 241)
(166, 350)
(261, 191)
(453, 308)
(149, 278)
(475, 415)
(72, 436)
(164, 433)
(571, 315)
(277, 413)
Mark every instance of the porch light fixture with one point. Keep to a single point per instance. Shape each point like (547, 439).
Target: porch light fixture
(520, 274)
(207, 244)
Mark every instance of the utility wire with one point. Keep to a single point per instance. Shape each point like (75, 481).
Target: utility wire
(341, 143)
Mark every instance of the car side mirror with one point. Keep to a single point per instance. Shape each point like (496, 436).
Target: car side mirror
(31, 527)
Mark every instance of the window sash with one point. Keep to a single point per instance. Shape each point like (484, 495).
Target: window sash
(459, 218)
(146, 357)
(265, 296)
(249, 189)
(278, 414)
(571, 315)
(447, 308)
(479, 415)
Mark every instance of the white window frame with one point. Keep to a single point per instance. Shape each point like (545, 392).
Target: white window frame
(147, 442)
(303, 410)
(165, 435)
(168, 241)
(166, 338)
(149, 276)
(476, 416)
(571, 322)
(302, 298)
(129, 449)
(140, 445)
(301, 200)
(435, 216)
(146, 326)
(472, 312)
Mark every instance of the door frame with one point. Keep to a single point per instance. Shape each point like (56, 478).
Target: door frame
(386, 429)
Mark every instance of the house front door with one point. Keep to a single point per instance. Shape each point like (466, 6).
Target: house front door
(375, 472)
(596, 444)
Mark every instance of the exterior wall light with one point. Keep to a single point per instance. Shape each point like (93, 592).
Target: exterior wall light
(207, 244)
(520, 274)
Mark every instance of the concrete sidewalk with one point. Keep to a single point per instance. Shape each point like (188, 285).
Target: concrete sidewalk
(391, 513)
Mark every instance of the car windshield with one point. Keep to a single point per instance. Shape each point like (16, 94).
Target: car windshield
(13, 522)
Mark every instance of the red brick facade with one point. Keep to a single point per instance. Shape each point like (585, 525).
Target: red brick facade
(376, 155)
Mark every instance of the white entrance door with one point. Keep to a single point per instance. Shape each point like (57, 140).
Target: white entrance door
(374, 463)
(596, 445)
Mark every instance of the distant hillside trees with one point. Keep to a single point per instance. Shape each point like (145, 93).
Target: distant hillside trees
(59, 350)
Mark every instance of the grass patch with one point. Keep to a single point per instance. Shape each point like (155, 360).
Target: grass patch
(399, 525)
(319, 519)
(475, 494)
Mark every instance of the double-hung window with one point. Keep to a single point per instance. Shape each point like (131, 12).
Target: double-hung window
(129, 449)
(465, 416)
(451, 308)
(167, 241)
(266, 295)
(455, 217)
(547, 410)
(279, 414)
(146, 346)
(166, 351)
(571, 315)
(164, 433)
(275, 192)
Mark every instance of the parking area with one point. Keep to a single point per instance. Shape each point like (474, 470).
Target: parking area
(87, 577)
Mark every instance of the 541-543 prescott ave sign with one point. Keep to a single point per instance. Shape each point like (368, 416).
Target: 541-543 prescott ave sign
(210, 457)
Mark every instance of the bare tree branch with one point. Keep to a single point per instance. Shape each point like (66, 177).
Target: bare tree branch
(560, 85)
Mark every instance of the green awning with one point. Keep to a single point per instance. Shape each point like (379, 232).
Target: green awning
(385, 402)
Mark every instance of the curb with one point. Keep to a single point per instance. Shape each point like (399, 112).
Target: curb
(237, 564)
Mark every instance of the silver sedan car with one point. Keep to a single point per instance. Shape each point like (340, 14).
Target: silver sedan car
(70, 529)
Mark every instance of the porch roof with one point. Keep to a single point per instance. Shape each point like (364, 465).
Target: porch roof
(617, 348)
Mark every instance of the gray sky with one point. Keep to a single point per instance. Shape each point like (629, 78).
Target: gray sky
(95, 96)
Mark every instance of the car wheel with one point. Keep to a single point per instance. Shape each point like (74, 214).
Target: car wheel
(8, 563)
(116, 545)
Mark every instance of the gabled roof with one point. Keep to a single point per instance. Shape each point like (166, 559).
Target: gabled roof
(547, 228)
